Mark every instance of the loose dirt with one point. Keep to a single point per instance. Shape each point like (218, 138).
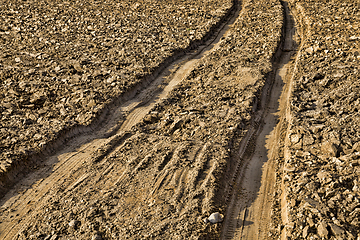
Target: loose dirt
(249, 212)
(64, 171)
(62, 65)
(113, 127)
(319, 197)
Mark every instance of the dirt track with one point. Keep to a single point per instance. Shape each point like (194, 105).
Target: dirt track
(67, 169)
(249, 212)
(255, 117)
(159, 160)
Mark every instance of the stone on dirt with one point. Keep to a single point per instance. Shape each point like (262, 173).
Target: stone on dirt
(216, 217)
(74, 223)
(337, 231)
(329, 149)
(356, 147)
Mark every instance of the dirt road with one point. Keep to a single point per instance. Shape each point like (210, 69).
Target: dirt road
(62, 172)
(249, 124)
(162, 159)
(248, 215)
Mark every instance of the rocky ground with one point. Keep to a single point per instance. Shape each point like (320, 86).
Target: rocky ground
(62, 62)
(172, 169)
(322, 145)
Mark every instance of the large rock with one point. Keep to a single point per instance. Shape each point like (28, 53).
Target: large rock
(305, 231)
(337, 231)
(356, 147)
(324, 177)
(308, 139)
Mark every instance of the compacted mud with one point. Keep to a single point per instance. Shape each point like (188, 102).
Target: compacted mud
(138, 120)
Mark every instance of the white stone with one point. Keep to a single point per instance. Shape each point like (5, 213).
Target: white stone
(216, 217)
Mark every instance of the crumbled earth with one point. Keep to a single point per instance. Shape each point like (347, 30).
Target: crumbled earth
(322, 146)
(62, 62)
(162, 178)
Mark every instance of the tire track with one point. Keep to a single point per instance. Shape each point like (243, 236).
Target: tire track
(38, 194)
(66, 169)
(249, 209)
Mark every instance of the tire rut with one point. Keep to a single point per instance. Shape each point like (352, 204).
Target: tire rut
(250, 201)
(67, 168)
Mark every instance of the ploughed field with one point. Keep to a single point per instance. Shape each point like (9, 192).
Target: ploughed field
(74, 164)
(61, 62)
(321, 168)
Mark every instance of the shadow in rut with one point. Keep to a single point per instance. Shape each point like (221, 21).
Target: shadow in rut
(246, 223)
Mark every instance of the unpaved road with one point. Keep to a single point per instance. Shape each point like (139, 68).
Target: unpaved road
(248, 215)
(66, 169)
(208, 134)
(161, 160)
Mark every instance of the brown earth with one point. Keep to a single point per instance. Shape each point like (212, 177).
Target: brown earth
(164, 172)
(319, 179)
(63, 63)
(184, 139)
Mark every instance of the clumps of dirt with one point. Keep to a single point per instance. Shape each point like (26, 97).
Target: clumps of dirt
(62, 62)
(171, 173)
(322, 153)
